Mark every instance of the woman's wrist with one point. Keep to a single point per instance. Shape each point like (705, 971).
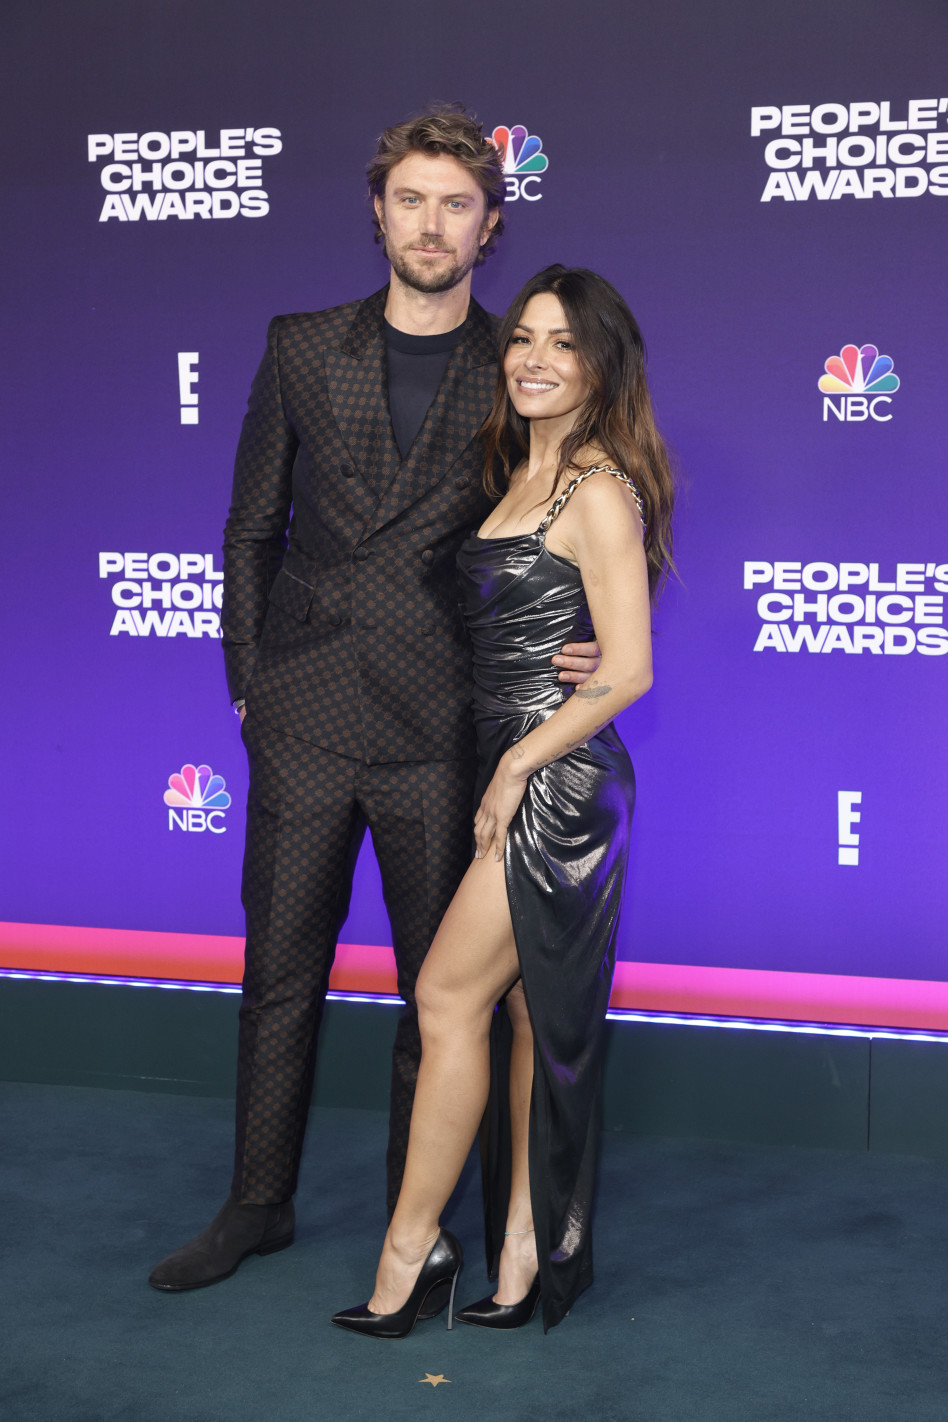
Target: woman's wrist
(515, 764)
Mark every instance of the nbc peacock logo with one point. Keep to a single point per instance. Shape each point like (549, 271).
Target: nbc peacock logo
(196, 800)
(523, 161)
(863, 380)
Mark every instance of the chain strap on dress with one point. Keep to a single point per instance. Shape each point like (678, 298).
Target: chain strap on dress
(557, 507)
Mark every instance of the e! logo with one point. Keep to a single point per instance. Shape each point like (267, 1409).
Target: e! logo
(188, 376)
(847, 816)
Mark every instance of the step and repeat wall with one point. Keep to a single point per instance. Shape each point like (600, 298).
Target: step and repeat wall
(767, 186)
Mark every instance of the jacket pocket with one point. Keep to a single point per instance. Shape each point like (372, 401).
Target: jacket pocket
(292, 595)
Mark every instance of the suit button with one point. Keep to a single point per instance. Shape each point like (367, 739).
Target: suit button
(369, 624)
(427, 556)
(461, 483)
(361, 554)
(346, 471)
(334, 619)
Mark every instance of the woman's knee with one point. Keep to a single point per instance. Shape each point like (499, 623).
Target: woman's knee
(444, 1011)
(436, 1003)
(430, 995)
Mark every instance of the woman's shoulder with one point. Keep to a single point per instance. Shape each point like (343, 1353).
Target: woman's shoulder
(605, 490)
(598, 514)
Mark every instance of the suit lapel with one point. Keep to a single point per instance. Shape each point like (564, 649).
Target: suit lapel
(453, 419)
(355, 375)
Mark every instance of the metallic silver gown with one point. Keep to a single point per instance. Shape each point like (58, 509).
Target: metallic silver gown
(565, 864)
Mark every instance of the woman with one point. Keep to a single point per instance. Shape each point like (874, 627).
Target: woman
(580, 538)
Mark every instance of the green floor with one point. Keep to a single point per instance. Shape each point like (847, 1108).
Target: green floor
(733, 1283)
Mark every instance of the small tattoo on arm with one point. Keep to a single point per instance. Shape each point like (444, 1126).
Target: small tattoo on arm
(592, 693)
(517, 753)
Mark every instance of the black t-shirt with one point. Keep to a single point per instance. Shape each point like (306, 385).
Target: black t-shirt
(415, 367)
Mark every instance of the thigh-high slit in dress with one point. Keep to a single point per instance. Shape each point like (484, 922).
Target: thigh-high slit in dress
(565, 864)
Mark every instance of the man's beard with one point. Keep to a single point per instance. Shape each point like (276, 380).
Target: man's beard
(420, 279)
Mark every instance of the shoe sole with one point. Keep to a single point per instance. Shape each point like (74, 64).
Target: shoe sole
(219, 1278)
(433, 1295)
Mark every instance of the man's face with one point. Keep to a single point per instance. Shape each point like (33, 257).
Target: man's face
(434, 219)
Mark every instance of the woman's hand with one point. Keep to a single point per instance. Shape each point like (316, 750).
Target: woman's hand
(498, 806)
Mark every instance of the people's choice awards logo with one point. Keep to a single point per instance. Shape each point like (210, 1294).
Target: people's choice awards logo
(859, 150)
(850, 607)
(863, 380)
(523, 161)
(164, 594)
(196, 800)
(183, 174)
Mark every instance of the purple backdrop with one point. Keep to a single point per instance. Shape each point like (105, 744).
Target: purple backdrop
(664, 128)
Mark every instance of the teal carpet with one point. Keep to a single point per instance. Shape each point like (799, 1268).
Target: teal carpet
(734, 1284)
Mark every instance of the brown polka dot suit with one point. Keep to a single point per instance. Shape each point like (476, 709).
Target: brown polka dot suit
(341, 629)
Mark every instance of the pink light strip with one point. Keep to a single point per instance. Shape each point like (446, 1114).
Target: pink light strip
(779, 996)
(818, 1029)
(684, 990)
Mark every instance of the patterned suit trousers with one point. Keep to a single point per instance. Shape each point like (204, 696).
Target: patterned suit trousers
(306, 816)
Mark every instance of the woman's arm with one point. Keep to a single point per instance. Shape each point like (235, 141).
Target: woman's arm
(601, 532)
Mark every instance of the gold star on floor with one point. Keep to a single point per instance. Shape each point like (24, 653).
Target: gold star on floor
(434, 1378)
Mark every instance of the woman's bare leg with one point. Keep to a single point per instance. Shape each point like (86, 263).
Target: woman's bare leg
(471, 964)
(518, 1259)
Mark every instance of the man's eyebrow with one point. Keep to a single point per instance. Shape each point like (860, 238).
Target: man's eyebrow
(416, 192)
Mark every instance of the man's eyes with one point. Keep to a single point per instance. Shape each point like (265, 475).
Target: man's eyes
(457, 203)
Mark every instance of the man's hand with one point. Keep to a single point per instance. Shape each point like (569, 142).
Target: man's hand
(579, 660)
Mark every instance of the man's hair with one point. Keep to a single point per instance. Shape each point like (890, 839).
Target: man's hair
(450, 130)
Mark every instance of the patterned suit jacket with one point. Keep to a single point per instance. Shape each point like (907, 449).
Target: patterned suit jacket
(340, 619)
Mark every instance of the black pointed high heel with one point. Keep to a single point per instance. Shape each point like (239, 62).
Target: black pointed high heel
(436, 1301)
(488, 1314)
(438, 1273)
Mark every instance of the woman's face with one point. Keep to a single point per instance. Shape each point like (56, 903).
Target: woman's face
(544, 379)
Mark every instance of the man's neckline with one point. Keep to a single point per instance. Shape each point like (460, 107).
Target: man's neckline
(411, 344)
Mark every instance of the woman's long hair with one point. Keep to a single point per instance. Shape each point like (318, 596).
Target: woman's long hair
(616, 417)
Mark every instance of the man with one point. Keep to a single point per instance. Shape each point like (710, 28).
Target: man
(357, 477)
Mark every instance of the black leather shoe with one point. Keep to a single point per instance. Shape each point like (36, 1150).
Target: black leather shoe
(217, 1252)
(436, 1301)
(487, 1314)
(439, 1271)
